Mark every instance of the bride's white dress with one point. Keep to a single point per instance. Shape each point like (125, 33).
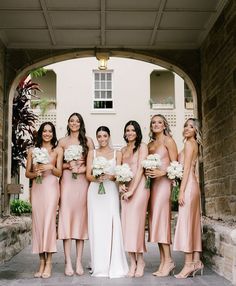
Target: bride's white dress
(105, 234)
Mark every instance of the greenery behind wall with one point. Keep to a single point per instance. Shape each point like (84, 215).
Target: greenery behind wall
(23, 120)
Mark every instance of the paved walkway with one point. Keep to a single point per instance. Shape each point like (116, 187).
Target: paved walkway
(18, 271)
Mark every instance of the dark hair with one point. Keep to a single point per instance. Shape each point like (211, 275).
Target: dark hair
(103, 128)
(39, 139)
(138, 131)
(82, 132)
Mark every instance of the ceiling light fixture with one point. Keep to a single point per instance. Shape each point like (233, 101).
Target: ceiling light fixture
(102, 60)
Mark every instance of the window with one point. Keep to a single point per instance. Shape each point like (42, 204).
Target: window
(102, 90)
(162, 89)
(188, 98)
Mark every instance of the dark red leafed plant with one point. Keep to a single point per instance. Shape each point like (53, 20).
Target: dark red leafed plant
(23, 123)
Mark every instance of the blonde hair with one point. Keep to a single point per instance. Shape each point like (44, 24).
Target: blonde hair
(197, 126)
(166, 131)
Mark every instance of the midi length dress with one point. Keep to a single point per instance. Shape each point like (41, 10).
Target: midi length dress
(44, 199)
(73, 215)
(160, 203)
(188, 229)
(133, 212)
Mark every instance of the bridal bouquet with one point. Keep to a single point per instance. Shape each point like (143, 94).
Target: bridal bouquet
(99, 165)
(40, 156)
(123, 174)
(153, 161)
(72, 154)
(175, 173)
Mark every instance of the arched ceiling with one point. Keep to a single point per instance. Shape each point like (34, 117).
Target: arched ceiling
(136, 24)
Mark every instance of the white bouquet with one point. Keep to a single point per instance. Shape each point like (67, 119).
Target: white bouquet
(153, 161)
(40, 156)
(123, 173)
(99, 166)
(175, 173)
(72, 154)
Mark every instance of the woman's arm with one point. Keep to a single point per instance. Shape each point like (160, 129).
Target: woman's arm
(172, 149)
(89, 163)
(30, 173)
(188, 157)
(61, 144)
(57, 170)
(90, 143)
(142, 154)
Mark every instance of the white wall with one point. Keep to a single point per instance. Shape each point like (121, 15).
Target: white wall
(131, 93)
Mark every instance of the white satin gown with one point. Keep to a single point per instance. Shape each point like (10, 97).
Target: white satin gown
(104, 225)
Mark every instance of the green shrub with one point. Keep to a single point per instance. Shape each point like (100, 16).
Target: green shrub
(19, 207)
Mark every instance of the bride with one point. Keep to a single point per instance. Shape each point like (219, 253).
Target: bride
(105, 235)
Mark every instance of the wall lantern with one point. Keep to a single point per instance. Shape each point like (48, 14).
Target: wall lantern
(102, 60)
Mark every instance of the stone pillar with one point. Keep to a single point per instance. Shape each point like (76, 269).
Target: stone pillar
(2, 61)
(179, 108)
(218, 57)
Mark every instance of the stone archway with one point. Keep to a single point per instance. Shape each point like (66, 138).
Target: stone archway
(91, 53)
(171, 61)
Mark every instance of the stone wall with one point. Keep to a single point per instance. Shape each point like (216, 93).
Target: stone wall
(14, 237)
(219, 242)
(218, 57)
(2, 60)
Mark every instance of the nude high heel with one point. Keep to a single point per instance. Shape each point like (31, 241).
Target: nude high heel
(140, 270)
(131, 272)
(79, 269)
(159, 269)
(39, 273)
(47, 274)
(190, 265)
(166, 271)
(198, 266)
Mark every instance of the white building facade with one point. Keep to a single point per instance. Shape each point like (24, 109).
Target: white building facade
(127, 90)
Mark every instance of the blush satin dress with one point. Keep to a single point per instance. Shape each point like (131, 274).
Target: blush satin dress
(188, 229)
(160, 203)
(133, 212)
(73, 215)
(44, 199)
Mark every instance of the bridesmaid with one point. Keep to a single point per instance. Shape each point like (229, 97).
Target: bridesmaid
(160, 204)
(45, 197)
(73, 201)
(188, 228)
(134, 199)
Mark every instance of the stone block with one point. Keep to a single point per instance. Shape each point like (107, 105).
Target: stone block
(15, 237)
(210, 207)
(233, 237)
(209, 240)
(222, 206)
(3, 233)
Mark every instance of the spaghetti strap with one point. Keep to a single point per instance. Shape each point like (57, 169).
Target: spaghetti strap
(94, 153)
(114, 156)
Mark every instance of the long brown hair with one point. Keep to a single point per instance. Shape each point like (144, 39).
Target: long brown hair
(82, 132)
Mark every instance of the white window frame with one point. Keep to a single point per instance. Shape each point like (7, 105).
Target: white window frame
(103, 110)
